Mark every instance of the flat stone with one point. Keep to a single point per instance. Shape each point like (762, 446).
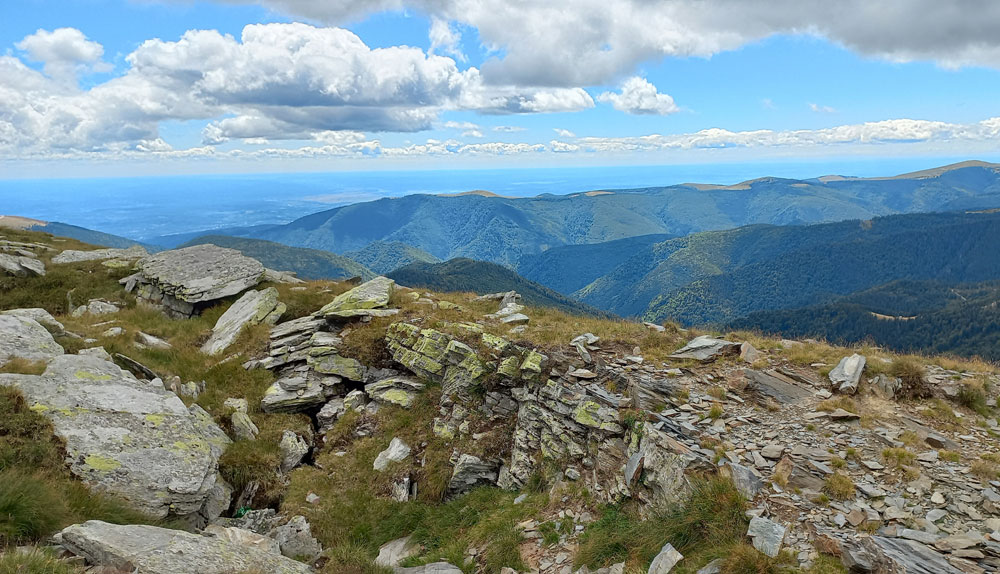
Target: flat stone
(400, 391)
(23, 337)
(516, 319)
(295, 539)
(154, 550)
(706, 348)
(181, 279)
(127, 437)
(395, 551)
(253, 308)
(41, 316)
(75, 256)
(767, 535)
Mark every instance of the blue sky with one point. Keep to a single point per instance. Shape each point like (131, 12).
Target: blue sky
(120, 87)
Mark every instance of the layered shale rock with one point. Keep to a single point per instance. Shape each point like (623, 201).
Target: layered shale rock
(129, 437)
(75, 256)
(184, 281)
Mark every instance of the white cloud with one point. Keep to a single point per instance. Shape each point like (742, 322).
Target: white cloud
(821, 109)
(445, 39)
(596, 42)
(64, 52)
(564, 133)
(508, 129)
(638, 96)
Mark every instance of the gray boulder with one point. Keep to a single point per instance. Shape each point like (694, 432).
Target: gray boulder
(128, 437)
(75, 256)
(22, 337)
(298, 391)
(43, 317)
(665, 560)
(395, 452)
(706, 348)
(293, 449)
(368, 299)
(393, 552)
(253, 308)
(296, 540)
(96, 307)
(182, 281)
(154, 550)
(20, 266)
(767, 535)
(846, 375)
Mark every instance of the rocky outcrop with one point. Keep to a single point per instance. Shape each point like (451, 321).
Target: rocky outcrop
(154, 550)
(183, 281)
(706, 348)
(130, 438)
(75, 256)
(366, 300)
(23, 337)
(300, 390)
(253, 308)
(435, 356)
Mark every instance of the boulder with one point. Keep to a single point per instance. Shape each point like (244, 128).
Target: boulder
(151, 341)
(368, 299)
(75, 256)
(22, 337)
(253, 308)
(243, 426)
(41, 316)
(296, 540)
(334, 364)
(706, 348)
(665, 560)
(396, 451)
(128, 437)
(154, 550)
(20, 266)
(748, 483)
(470, 472)
(401, 391)
(767, 535)
(846, 375)
(183, 281)
(293, 449)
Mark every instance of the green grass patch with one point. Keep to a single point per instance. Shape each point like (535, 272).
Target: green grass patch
(707, 525)
(34, 561)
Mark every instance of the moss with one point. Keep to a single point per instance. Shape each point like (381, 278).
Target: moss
(101, 463)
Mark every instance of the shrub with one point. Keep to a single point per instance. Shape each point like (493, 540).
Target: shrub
(985, 469)
(830, 405)
(715, 412)
(972, 395)
(898, 457)
(911, 374)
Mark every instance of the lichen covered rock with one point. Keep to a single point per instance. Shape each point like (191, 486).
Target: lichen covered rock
(253, 308)
(23, 337)
(127, 437)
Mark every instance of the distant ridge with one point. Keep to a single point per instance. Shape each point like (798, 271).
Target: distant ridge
(479, 192)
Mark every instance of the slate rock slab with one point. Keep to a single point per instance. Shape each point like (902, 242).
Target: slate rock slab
(253, 308)
(129, 437)
(767, 535)
(706, 348)
(23, 337)
(75, 256)
(154, 550)
(180, 279)
(20, 266)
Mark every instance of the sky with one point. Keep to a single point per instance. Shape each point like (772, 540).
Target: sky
(129, 87)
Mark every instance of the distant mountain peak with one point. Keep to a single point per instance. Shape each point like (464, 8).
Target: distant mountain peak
(18, 222)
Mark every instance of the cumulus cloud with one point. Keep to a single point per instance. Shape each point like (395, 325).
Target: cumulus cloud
(640, 97)
(564, 133)
(276, 82)
(445, 39)
(595, 42)
(508, 129)
(468, 129)
(63, 52)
